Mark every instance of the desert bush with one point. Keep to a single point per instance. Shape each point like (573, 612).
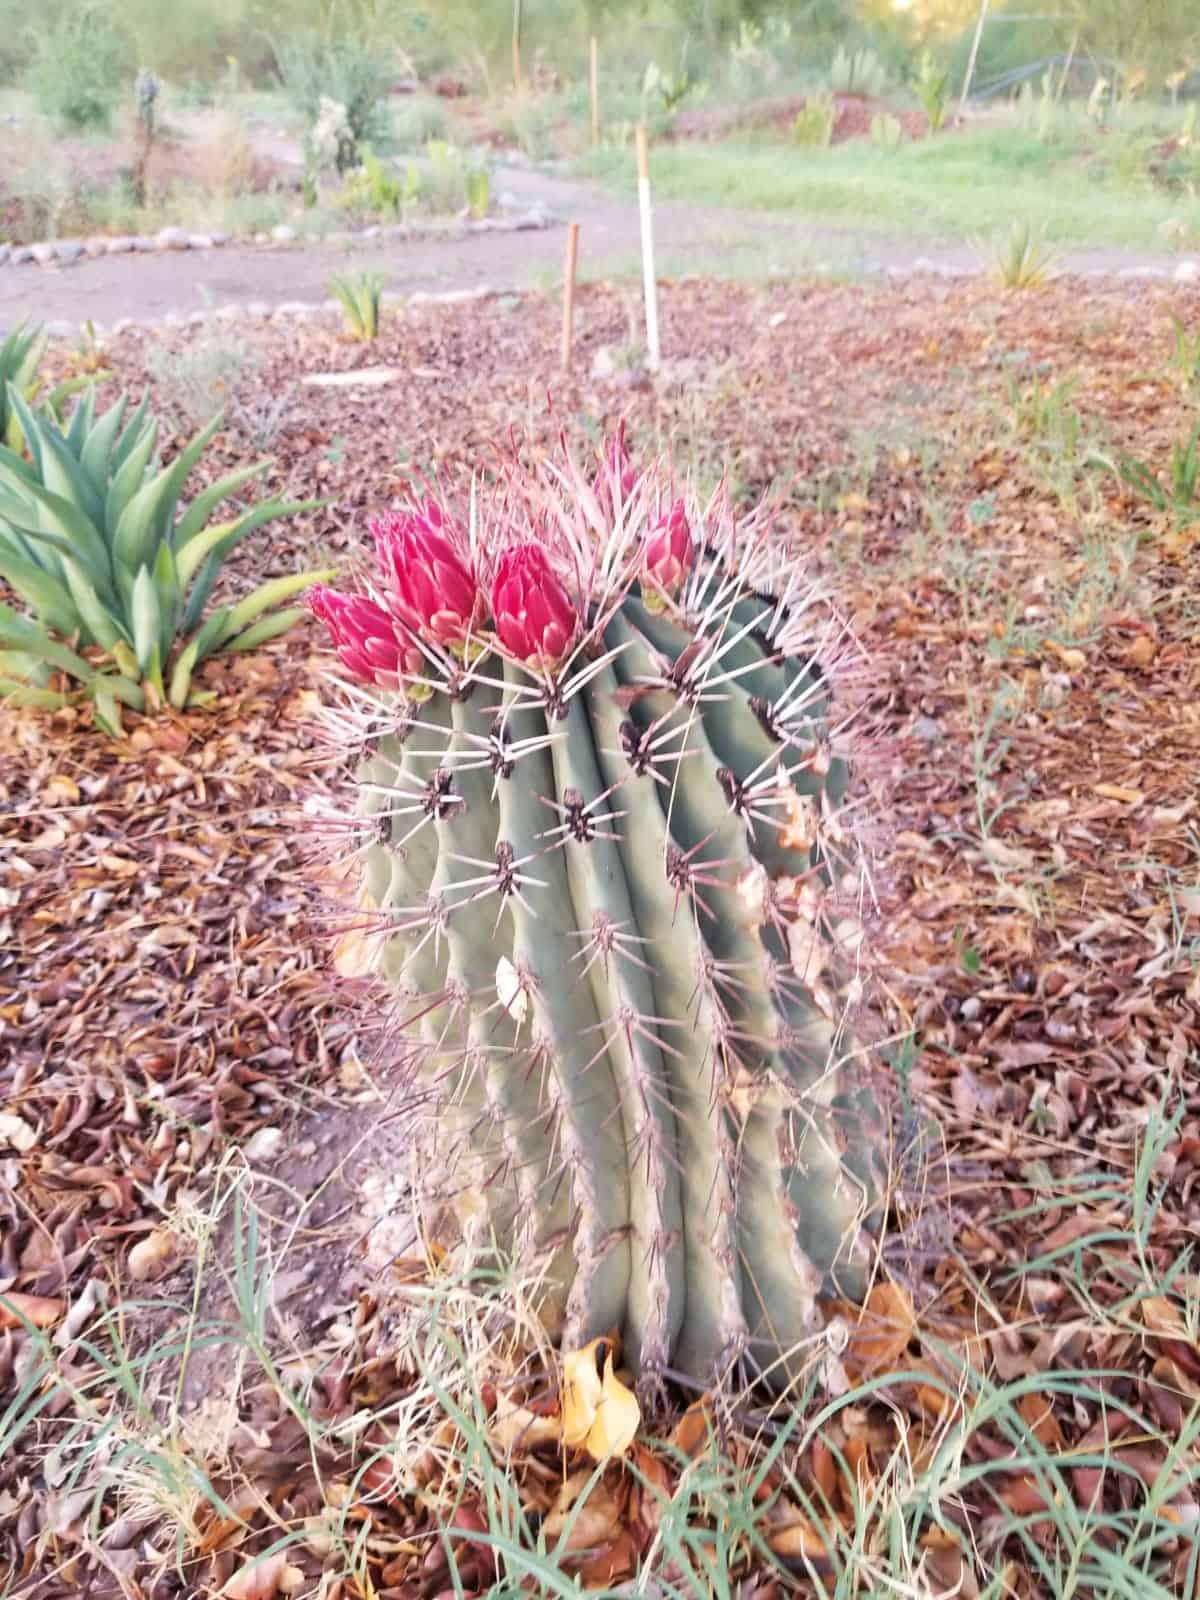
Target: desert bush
(354, 72)
(857, 72)
(94, 541)
(200, 379)
(374, 187)
(418, 119)
(81, 68)
(814, 125)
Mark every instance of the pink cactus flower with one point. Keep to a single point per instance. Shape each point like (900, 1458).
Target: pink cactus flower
(535, 618)
(428, 584)
(669, 552)
(365, 637)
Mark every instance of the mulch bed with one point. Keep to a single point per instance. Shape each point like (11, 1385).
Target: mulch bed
(1033, 656)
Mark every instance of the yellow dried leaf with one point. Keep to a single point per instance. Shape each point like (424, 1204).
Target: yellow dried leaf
(516, 1427)
(617, 1418)
(1113, 791)
(62, 790)
(263, 1580)
(599, 1413)
(151, 1256)
(886, 1324)
(582, 1392)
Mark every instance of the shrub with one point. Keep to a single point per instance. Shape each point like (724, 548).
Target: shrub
(94, 541)
(360, 295)
(197, 381)
(598, 818)
(857, 72)
(814, 125)
(81, 68)
(352, 72)
(373, 187)
(418, 119)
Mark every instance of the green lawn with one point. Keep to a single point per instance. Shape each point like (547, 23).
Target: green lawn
(1081, 188)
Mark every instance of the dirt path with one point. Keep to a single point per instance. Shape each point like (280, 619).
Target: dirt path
(688, 239)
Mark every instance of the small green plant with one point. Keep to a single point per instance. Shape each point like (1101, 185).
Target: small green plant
(813, 127)
(373, 187)
(887, 133)
(1023, 259)
(452, 178)
(360, 295)
(94, 542)
(857, 72)
(81, 67)
(670, 88)
(932, 86)
(1044, 412)
(479, 192)
(1178, 495)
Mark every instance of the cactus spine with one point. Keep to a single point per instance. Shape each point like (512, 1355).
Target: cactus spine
(594, 809)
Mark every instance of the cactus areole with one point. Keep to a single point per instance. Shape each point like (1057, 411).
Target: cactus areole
(600, 821)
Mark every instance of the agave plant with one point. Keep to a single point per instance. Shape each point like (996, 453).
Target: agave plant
(1023, 259)
(360, 295)
(95, 542)
(598, 830)
(20, 356)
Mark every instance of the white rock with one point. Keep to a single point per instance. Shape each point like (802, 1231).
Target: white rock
(42, 252)
(200, 241)
(21, 254)
(257, 308)
(96, 246)
(294, 308)
(1188, 272)
(262, 238)
(119, 246)
(171, 239)
(141, 244)
(62, 329)
(68, 250)
(122, 325)
(264, 1145)
(228, 313)
(219, 238)
(281, 233)
(5, 252)
(372, 232)
(197, 319)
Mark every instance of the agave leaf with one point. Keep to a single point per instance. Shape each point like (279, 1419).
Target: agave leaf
(15, 467)
(65, 527)
(16, 693)
(83, 419)
(106, 711)
(29, 359)
(98, 446)
(273, 593)
(21, 633)
(148, 518)
(132, 435)
(166, 582)
(31, 428)
(146, 618)
(42, 590)
(201, 508)
(20, 665)
(63, 475)
(220, 538)
(101, 625)
(266, 628)
(128, 477)
(196, 650)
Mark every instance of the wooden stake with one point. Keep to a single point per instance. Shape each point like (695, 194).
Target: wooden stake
(649, 284)
(595, 86)
(516, 44)
(569, 293)
(966, 88)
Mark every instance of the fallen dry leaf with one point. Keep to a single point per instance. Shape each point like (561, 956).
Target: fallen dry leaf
(264, 1579)
(598, 1412)
(882, 1332)
(42, 1310)
(150, 1257)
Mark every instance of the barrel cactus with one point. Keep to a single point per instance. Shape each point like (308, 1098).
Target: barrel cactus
(598, 815)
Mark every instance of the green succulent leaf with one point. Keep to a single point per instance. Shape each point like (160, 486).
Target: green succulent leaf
(128, 477)
(274, 592)
(101, 625)
(16, 693)
(266, 628)
(146, 617)
(148, 518)
(206, 502)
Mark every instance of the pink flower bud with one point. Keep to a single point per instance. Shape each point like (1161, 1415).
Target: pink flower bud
(617, 474)
(365, 637)
(535, 619)
(669, 551)
(429, 585)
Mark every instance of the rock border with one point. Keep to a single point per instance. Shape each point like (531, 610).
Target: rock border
(69, 252)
